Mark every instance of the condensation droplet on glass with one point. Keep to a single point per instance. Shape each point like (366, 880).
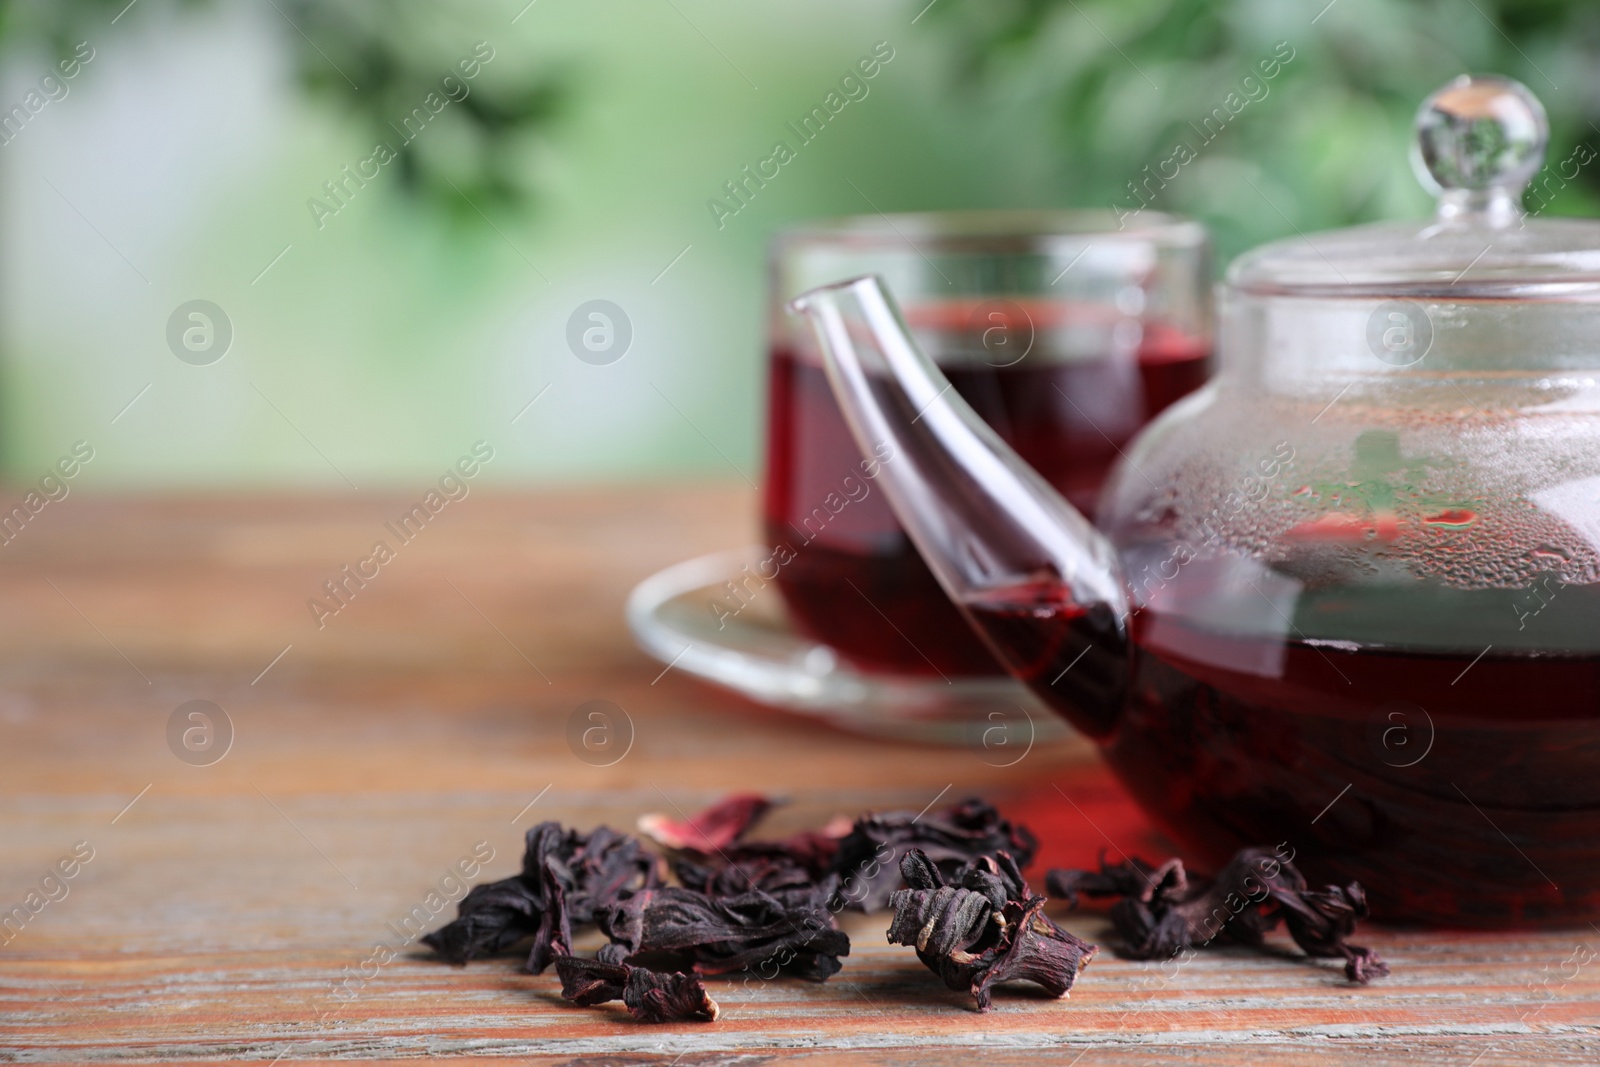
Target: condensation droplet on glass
(1452, 519)
(820, 660)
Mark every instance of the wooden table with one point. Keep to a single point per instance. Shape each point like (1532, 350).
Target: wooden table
(229, 909)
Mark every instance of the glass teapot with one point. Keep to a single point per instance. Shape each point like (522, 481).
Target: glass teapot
(1347, 596)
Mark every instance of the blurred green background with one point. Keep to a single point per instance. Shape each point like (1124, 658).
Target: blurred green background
(375, 348)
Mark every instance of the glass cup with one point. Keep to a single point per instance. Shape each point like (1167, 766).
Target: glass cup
(1066, 335)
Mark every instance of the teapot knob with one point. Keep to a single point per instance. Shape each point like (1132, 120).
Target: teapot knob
(1479, 140)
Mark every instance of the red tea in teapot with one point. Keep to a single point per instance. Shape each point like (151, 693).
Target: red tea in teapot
(856, 581)
(1406, 752)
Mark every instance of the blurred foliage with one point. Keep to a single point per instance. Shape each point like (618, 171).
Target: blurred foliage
(397, 52)
(1118, 84)
(377, 60)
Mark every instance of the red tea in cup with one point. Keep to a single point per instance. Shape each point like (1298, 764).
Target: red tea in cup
(1064, 338)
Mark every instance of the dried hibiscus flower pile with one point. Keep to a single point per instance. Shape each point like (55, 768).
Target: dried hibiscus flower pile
(760, 907)
(1162, 912)
(765, 908)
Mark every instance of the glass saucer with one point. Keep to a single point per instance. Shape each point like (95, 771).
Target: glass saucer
(758, 654)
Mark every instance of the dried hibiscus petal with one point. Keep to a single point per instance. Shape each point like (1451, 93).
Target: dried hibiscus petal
(491, 918)
(714, 828)
(777, 874)
(1034, 949)
(590, 982)
(553, 938)
(1162, 911)
(1320, 921)
(869, 857)
(665, 998)
(710, 852)
(722, 934)
(1135, 878)
(983, 928)
(566, 877)
(594, 869)
(650, 996)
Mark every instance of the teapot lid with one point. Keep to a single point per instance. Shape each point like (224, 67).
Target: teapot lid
(1479, 140)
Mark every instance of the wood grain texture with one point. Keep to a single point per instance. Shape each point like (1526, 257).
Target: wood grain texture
(222, 910)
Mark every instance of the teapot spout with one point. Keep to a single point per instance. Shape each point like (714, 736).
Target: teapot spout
(1030, 573)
